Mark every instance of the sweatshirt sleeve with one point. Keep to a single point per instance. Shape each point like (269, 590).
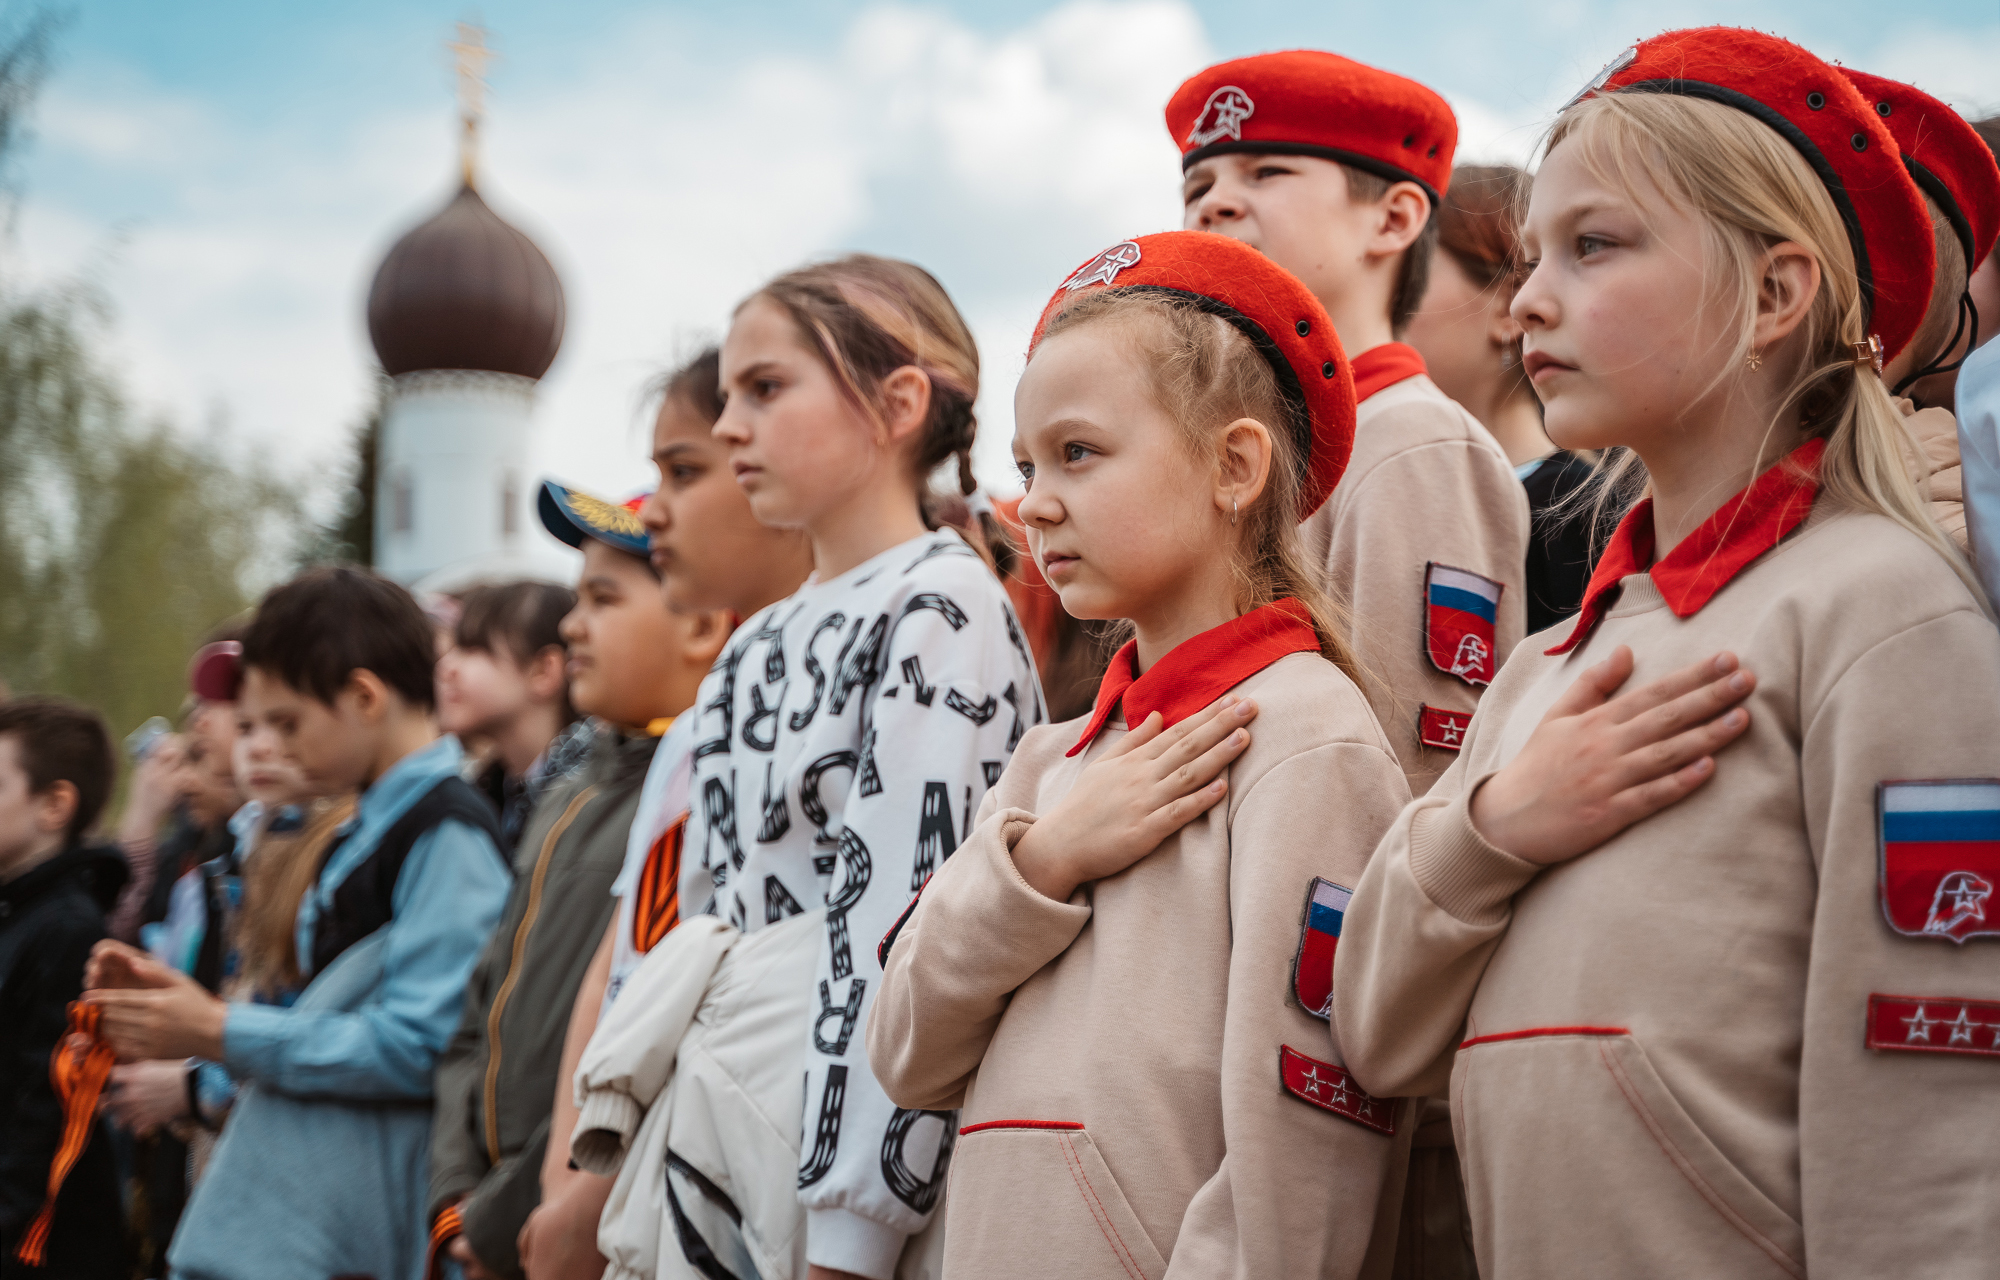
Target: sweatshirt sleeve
(1296, 1191)
(866, 1182)
(446, 902)
(1431, 908)
(1900, 1062)
(1449, 502)
(976, 935)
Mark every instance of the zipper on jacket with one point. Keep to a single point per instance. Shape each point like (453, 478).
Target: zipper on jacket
(507, 984)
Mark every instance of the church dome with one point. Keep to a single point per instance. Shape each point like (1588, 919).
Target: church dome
(466, 290)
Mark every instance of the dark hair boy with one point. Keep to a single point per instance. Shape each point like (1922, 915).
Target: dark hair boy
(56, 770)
(338, 664)
(502, 684)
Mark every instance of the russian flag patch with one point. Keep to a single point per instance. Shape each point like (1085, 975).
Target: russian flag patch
(1940, 857)
(1460, 611)
(1319, 934)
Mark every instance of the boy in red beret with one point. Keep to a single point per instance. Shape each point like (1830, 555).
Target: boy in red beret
(1333, 169)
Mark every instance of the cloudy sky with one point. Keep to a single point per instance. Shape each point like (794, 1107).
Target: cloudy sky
(229, 174)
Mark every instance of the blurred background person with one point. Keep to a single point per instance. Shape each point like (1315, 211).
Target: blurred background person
(56, 771)
(502, 685)
(1473, 350)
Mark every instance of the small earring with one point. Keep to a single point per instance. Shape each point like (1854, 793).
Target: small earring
(1753, 360)
(1232, 511)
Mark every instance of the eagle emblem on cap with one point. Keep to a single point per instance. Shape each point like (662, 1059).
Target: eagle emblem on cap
(1104, 268)
(1222, 116)
(605, 517)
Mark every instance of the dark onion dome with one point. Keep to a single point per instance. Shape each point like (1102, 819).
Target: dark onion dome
(466, 291)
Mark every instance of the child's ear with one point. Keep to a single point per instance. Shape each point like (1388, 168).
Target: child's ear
(56, 806)
(365, 694)
(545, 673)
(906, 401)
(1405, 212)
(1787, 284)
(708, 630)
(1245, 465)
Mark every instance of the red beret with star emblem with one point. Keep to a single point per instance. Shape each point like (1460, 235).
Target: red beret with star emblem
(1815, 108)
(1266, 304)
(1309, 103)
(1946, 158)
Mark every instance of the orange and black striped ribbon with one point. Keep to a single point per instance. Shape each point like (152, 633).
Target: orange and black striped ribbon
(656, 904)
(78, 1069)
(447, 1225)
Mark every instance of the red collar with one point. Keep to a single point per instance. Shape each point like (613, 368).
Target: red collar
(1705, 561)
(1379, 368)
(1201, 669)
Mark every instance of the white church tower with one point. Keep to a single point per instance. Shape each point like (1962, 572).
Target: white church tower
(466, 315)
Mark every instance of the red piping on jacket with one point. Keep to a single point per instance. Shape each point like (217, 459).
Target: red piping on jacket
(1533, 1032)
(1019, 1124)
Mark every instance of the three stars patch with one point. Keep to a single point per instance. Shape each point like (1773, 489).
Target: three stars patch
(1934, 1024)
(1330, 1088)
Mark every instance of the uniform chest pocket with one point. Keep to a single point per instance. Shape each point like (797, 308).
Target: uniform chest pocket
(1025, 1191)
(1579, 1159)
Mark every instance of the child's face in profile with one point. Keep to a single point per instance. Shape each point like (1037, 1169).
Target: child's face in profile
(623, 642)
(1295, 210)
(797, 445)
(480, 691)
(331, 746)
(262, 773)
(208, 779)
(1630, 338)
(711, 552)
(1119, 511)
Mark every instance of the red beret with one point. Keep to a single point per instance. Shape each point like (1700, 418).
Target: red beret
(1812, 106)
(1308, 103)
(1269, 306)
(1946, 158)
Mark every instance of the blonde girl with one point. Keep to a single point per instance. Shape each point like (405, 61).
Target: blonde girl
(1705, 1012)
(1121, 979)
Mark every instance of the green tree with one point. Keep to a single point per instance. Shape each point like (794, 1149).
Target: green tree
(121, 544)
(350, 536)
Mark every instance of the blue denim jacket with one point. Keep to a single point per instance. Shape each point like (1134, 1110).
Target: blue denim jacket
(446, 902)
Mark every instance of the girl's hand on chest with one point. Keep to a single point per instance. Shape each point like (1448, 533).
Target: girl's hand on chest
(1150, 785)
(1597, 764)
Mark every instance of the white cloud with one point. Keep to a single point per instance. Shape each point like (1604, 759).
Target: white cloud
(666, 179)
(667, 173)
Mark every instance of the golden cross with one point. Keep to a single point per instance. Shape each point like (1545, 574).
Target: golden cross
(472, 55)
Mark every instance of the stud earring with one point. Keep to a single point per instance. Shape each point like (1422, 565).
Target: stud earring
(1753, 360)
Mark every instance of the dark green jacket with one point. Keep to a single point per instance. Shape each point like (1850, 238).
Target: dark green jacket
(496, 1082)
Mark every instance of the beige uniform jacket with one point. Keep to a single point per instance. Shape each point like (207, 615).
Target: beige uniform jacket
(1117, 1057)
(1658, 1053)
(1427, 484)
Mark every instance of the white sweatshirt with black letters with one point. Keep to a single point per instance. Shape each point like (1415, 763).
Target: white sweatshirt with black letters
(844, 741)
